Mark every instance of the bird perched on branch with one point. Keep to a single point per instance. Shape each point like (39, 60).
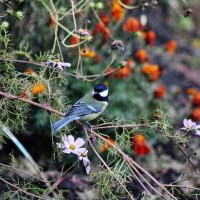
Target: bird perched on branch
(87, 108)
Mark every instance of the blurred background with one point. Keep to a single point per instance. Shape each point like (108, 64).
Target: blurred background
(156, 66)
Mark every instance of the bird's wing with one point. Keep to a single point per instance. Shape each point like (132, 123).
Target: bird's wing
(81, 109)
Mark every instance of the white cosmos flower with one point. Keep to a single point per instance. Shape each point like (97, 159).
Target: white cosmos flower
(191, 126)
(82, 155)
(69, 145)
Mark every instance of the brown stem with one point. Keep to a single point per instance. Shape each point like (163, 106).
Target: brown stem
(43, 106)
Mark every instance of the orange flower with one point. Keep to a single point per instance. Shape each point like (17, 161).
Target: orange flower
(124, 72)
(150, 37)
(195, 115)
(160, 92)
(196, 99)
(141, 55)
(117, 12)
(104, 18)
(171, 46)
(106, 145)
(139, 145)
(74, 40)
(87, 52)
(38, 88)
(29, 70)
(192, 91)
(152, 71)
(101, 29)
(132, 25)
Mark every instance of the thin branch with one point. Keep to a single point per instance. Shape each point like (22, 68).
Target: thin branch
(43, 106)
(129, 160)
(104, 163)
(20, 189)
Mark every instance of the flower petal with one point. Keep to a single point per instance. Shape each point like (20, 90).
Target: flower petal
(86, 163)
(60, 145)
(82, 150)
(65, 141)
(79, 142)
(185, 123)
(68, 151)
(70, 139)
(197, 133)
(197, 127)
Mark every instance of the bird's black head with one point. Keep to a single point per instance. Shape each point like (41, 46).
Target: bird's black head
(100, 92)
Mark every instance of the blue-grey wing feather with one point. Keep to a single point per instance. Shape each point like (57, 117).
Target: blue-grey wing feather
(81, 109)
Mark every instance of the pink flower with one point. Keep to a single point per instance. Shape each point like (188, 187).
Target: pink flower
(82, 155)
(191, 126)
(83, 32)
(69, 145)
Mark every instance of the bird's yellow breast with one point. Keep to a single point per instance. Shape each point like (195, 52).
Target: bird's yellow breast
(94, 115)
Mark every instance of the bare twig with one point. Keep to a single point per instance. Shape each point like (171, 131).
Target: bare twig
(43, 106)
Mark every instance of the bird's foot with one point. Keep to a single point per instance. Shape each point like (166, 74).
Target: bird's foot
(90, 126)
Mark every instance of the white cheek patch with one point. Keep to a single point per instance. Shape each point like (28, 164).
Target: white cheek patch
(104, 93)
(93, 92)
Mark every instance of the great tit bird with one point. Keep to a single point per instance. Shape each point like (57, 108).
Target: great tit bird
(87, 108)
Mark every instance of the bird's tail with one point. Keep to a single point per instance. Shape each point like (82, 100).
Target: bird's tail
(61, 123)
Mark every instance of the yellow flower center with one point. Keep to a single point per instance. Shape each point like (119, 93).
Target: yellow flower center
(81, 30)
(72, 147)
(84, 154)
